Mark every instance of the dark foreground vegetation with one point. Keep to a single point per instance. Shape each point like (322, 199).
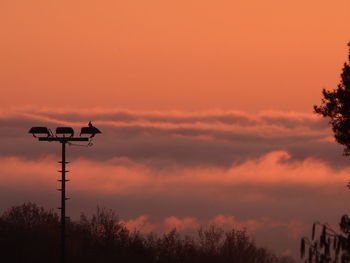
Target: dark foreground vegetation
(327, 245)
(29, 233)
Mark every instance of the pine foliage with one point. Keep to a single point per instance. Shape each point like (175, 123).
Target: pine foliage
(336, 106)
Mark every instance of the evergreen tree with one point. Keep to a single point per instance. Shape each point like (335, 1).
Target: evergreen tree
(333, 245)
(336, 106)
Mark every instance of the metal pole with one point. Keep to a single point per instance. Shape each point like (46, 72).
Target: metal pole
(92, 131)
(63, 140)
(63, 203)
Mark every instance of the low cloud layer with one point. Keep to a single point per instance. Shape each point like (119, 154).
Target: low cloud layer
(163, 139)
(267, 172)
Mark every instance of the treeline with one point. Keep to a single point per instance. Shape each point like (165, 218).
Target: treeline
(29, 233)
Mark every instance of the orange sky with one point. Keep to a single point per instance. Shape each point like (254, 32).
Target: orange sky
(174, 83)
(193, 54)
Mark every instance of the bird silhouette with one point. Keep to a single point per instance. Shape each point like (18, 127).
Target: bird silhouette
(90, 129)
(93, 129)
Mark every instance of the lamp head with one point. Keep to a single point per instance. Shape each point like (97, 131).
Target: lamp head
(65, 131)
(91, 130)
(39, 130)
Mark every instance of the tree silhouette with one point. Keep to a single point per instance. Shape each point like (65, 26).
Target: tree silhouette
(336, 106)
(333, 246)
(28, 233)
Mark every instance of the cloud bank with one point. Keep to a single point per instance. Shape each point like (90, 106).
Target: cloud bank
(267, 172)
(212, 138)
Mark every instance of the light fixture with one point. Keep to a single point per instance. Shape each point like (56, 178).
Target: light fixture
(39, 130)
(65, 131)
(92, 131)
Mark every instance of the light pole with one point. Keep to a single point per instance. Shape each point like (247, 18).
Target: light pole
(64, 135)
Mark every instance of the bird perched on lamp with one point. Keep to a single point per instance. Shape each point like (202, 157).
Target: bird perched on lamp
(92, 130)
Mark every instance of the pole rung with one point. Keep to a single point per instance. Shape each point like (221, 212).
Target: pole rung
(67, 198)
(59, 189)
(64, 180)
(63, 171)
(59, 208)
(63, 162)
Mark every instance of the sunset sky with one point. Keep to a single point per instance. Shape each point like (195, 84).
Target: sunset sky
(205, 108)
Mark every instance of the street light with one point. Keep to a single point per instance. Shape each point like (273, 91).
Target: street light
(64, 135)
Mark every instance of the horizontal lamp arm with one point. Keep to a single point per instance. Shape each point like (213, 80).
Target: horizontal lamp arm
(63, 139)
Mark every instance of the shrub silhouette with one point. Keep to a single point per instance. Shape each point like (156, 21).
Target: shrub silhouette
(28, 233)
(329, 245)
